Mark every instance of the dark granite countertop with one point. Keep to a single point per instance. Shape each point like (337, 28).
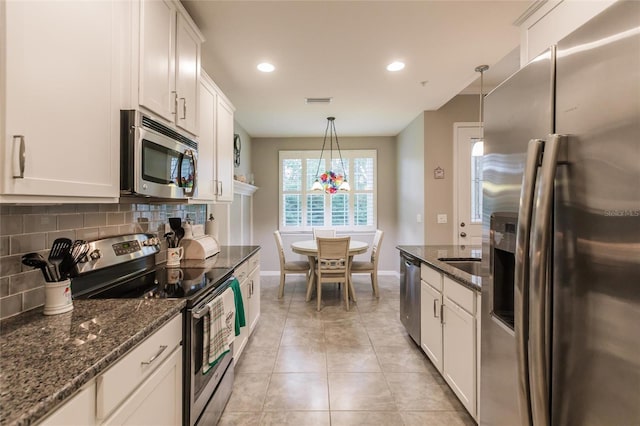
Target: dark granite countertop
(430, 255)
(45, 359)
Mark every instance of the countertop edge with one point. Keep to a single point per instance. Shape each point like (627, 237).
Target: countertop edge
(428, 255)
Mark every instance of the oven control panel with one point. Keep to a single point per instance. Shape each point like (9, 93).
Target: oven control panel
(126, 247)
(115, 250)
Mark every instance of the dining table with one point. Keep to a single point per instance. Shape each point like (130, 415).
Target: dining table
(309, 248)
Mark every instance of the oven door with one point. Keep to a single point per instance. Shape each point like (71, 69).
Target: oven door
(208, 392)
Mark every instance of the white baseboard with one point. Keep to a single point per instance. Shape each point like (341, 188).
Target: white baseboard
(277, 273)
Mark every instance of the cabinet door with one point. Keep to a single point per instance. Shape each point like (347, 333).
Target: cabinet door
(224, 149)
(240, 341)
(80, 410)
(254, 301)
(187, 75)
(206, 144)
(459, 335)
(158, 400)
(431, 327)
(157, 57)
(61, 82)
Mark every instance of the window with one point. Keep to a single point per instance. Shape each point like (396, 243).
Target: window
(477, 150)
(302, 209)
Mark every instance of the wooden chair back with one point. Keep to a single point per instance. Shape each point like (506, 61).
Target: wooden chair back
(333, 255)
(323, 233)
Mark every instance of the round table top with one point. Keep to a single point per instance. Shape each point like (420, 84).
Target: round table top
(310, 248)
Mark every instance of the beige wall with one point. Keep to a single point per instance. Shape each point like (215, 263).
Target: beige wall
(438, 151)
(410, 151)
(245, 153)
(265, 209)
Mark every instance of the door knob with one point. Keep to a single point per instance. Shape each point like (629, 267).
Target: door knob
(462, 225)
(463, 234)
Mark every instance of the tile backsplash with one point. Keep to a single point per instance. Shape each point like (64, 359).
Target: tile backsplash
(25, 229)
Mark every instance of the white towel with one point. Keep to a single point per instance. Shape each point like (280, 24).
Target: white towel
(218, 329)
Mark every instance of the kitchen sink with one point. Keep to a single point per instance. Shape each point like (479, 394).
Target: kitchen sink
(470, 265)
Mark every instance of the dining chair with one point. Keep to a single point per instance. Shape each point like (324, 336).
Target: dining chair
(324, 233)
(333, 265)
(291, 267)
(371, 267)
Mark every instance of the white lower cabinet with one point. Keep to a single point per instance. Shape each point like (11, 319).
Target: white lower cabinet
(248, 273)
(158, 400)
(431, 326)
(143, 388)
(80, 410)
(450, 333)
(459, 368)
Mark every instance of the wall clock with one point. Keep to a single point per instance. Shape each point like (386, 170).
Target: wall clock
(237, 147)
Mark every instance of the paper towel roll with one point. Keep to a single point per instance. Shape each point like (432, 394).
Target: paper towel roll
(211, 228)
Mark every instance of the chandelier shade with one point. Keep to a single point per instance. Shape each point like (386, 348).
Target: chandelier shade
(331, 181)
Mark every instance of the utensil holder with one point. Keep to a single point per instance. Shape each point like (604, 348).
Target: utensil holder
(57, 297)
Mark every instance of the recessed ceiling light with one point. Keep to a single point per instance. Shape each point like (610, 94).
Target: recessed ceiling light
(266, 67)
(395, 66)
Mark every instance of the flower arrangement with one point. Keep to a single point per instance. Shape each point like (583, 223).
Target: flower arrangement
(331, 182)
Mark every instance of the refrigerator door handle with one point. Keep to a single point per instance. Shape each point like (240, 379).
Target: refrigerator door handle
(540, 257)
(521, 275)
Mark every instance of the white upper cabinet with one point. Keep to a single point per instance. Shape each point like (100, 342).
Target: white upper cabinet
(206, 142)
(215, 144)
(59, 102)
(224, 148)
(157, 64)
(169, 63)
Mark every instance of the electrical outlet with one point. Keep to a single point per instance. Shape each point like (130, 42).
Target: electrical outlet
(442, 218)
(419, 218)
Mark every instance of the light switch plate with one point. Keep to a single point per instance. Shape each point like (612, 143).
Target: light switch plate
(442, 218)
(419, 218)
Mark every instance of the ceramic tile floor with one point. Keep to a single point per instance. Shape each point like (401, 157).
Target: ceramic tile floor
(333, 367)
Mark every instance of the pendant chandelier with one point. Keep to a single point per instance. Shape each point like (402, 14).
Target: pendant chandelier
(478, 147)
(331, 181)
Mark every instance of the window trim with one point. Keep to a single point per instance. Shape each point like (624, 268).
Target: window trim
(348, 156)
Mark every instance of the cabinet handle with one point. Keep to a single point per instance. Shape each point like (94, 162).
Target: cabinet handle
(220, 184)
(184, 109)
(442, 313)
(435, 308)
(18, 157)
(153, 358)
(175, 102)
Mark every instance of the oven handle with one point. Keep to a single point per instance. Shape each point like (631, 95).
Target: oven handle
(199, 313)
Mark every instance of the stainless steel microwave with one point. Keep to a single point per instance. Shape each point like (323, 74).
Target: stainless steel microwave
(155, 160)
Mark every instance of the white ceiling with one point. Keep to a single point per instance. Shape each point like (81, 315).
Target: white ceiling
(340, 49)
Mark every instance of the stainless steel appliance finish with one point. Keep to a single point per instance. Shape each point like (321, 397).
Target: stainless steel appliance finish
(156, 160)
(410, 295)
(206, 394)
(562, 155)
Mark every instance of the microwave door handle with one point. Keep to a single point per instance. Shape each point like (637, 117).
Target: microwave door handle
(188, 153)
(521, 275)
(540, 258)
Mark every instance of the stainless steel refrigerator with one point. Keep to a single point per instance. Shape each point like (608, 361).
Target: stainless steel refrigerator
(561, 308)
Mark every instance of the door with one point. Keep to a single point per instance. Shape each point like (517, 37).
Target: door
(157, 57)
(430, 325)
(187, 75)
(61, 79)
(468, 184)
(515, 112)
(206, 142)
(224, 149)
(458, 331)
(596, 276)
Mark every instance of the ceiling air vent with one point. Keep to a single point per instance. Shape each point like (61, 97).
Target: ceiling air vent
(317, 100)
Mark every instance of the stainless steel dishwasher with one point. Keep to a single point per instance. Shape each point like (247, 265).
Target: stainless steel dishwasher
(410, 295)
